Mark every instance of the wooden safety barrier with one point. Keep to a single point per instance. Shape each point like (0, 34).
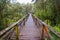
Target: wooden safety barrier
(6, 33)
(41, 23)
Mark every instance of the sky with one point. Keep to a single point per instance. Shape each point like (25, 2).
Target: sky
(24, 1)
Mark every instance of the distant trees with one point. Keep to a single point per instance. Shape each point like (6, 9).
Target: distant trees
(57, 8)
(28, 7)
(2, 7)
(48, 10)
(10, 12)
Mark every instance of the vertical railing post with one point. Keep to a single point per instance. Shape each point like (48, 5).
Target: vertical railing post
(46, 31)
(16, 30)
(35, 21)
(42, 36)
(24, 21)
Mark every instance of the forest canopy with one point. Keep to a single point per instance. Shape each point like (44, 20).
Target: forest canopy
(48, 10)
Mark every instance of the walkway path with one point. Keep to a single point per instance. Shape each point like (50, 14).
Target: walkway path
(30, 30)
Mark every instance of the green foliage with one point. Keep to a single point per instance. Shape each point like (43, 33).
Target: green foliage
(57, 29)
(48, 10)
(54, 37)
(10, 13)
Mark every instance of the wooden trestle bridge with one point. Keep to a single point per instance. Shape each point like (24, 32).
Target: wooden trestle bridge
(28, 28)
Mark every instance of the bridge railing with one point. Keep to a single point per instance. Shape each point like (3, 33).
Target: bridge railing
(41, 23)
(7, 33)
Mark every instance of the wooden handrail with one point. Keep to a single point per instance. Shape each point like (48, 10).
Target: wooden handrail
(44, 29)
(49, 27)
(3, 32)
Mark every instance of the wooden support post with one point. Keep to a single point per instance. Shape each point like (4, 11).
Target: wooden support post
(42, 36)
(35, 21)
(46, 31)
(16, 30)
(24, 21)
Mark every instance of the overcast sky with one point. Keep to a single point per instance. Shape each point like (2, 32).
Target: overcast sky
(25, 1)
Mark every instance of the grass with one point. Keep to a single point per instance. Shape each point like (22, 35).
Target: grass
(57, 29)
(54, 37)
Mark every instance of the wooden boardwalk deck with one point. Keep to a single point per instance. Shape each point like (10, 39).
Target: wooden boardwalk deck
(30, 31)
(28, 28)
